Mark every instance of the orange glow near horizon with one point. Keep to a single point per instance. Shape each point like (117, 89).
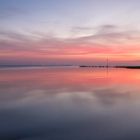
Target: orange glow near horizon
(80, 54)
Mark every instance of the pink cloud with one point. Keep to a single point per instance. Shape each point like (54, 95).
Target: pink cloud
(107, 42)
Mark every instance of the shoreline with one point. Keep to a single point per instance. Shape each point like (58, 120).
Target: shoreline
(80, 66)
(127, 67)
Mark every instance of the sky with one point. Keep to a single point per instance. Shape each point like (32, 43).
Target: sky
(69, 32)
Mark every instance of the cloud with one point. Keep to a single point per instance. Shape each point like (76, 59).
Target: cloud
(13, 36)
(77, 29)
(107, 28)
(110, 34)
(108, 40)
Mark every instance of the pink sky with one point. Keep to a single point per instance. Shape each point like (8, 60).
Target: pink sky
(82, 32)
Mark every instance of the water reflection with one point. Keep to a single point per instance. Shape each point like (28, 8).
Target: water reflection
(69, 104)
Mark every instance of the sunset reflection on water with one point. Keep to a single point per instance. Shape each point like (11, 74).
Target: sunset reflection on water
(69, 104)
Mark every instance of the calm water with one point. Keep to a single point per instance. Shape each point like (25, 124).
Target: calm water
(69, 104)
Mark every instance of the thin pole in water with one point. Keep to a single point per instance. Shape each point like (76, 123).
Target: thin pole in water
(107, 63)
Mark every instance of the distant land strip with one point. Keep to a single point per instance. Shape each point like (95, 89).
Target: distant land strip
(81, 66)
(128, 67)
(4, 66)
